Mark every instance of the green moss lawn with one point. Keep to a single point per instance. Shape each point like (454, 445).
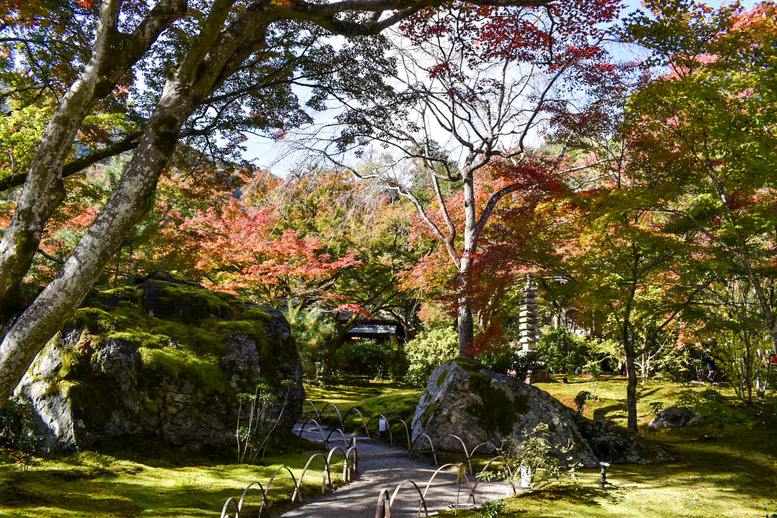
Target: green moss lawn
(157, 483)
(390, 399)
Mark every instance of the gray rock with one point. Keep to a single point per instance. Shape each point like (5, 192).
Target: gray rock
(165, 295)
(291, 396)
(482, 406)
(54, 421)
(612, 444)
(120, 362)
(278, 325)
(70, 336)
(242, 356)
(675, 417)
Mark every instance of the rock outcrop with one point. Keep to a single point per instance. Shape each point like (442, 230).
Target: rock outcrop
(164, 359)
(675, 417)
(481, 406)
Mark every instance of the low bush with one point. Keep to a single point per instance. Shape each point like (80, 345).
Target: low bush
(17, 426)
(430, 349)
(364, 358)
(511, 360)
(562, 352)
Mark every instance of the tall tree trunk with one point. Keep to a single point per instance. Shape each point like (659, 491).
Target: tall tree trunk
(631, 392)
(631, 372)
(465, 325)
(464, 320)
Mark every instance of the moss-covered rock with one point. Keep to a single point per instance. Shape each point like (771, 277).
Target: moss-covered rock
(481, 406)
(164, 358)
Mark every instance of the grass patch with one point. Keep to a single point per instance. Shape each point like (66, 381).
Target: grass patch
(157, 482)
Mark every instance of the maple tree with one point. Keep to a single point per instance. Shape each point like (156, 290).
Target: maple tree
(485, 80)
(616, 249)
(243, 252)
(357, 218)
(709, 128)
(199, 60)
(687, 210)
(160, 240)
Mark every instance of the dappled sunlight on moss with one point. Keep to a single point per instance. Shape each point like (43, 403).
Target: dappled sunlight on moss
(391, 399)
(128, 484)
(183, 364)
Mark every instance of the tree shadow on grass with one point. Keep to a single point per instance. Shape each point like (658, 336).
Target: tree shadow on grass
(576, 495)
(609, 411)
(705, 464)
(645, 392)
(36, 494)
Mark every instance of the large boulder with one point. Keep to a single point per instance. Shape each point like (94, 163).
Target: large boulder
(119, 370)
(482, 406)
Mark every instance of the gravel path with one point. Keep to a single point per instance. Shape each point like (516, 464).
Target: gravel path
(383, 467)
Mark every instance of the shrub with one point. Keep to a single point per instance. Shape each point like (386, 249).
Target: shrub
(582, 398)
(510, 359)
(364, 357)
(430, 349)
(491, 509)
(17, 426)
(253, 434)
(562, 351)
(535, 453)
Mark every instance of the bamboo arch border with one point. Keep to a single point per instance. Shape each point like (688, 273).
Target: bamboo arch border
(365, 423)
(350, 467)
(385, 501)
(340, 416)
(389, 428)
(386, 498)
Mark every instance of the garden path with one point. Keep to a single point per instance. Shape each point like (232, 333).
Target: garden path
(385, 467)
